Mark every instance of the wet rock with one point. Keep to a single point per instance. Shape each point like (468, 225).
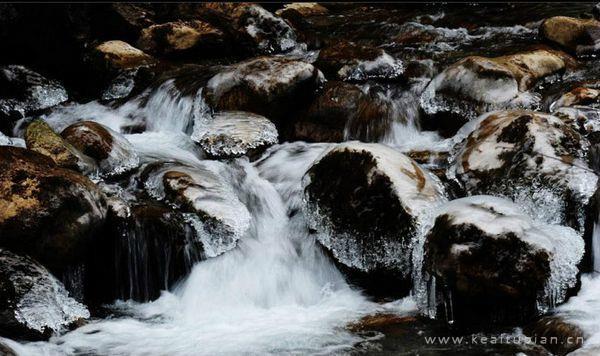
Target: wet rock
(127, 20)
(475, 85)
(349, 61)
(111, 151)
(212, 207)
(117, 55)
(578, 96)
(235, 133)
(578, 36)
(40, 137)
(269, 86)
(6, 350)
(145, 249)
(343, 111)
(556, 334)
(34, 304)
(531, 157)
(301, 9)
(365, 202)
(181, 37)
(490, 263)
(48, 212)
(23, 91)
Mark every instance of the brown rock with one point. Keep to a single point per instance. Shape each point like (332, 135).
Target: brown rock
(116, 55)
(180, 37)
(556, 334)
(579, 36)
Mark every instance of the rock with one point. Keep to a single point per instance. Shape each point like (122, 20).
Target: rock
(212, 207)
(181, 37)
(569, 337)
(23, 92)
(349, 61)
(475, 85)
(145, 249)
(365, 201)
(117, 55)
(235, 133)
(41, 138)
(531, 157)
(127, 20)
(577, 96)
(492, 264)
(578, 36)
(301, 9)
(6, 350)
(111, 151)
(269, 86)
(341, 112)
(48, 212)
(34, 304)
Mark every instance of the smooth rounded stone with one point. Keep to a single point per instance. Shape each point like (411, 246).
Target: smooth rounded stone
(40, 137)
(33, 303)
(490, 263)
(6, 350)
(145, 248)
(111, 150)
(349, 61)
(534, 158)
(180, 37)
(235, 133)
(214, 210)
(301, 9)
(23, 91)
(269, 86)
(556, 334)
(578, 36)
(476, 85)
(48, 212)
(578, 96)
(365, 202)
(118, 55)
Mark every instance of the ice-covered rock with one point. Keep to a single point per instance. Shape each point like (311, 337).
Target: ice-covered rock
(213, 208)
(234, 134)
(366, 201)
(475, 85)
(579, 36)
(488, 262)
(34, 304)
(269, 86)
(349, 61)
(534, 158)
(111, 151)
(48, 212)
(181, 37)
(23, 91)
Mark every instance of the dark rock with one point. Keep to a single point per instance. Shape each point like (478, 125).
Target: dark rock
(555, 334)
(126, 20)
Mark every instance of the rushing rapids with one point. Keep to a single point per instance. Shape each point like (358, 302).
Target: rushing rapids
(311, 178)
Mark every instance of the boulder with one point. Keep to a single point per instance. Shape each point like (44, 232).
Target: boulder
(34, 305)
(115, 55)
(301, 9)
(181, 37)
(578, 96)
(531, 157)
(111, 151)
(569, 337)
(231, 134)
(578, 36)
(269, 86)
(366, 201)
(23, 92)
(349, 61)
(489, 263)
(213, 209)
(40, 137)
(475, 85)
(126, 20)
(48, 212)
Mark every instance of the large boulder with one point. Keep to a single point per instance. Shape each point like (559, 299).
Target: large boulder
(212, 207)
(475, 85)
(126, 20)
(349, 61)
(270, 86)
(531, 157)
(488, 262)
(23, 91)
(48, 212)
(40, 137)
(111, 151)
(578, 36)
(181, 37)
(33, 303)
(231, 134)
(366, 202)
